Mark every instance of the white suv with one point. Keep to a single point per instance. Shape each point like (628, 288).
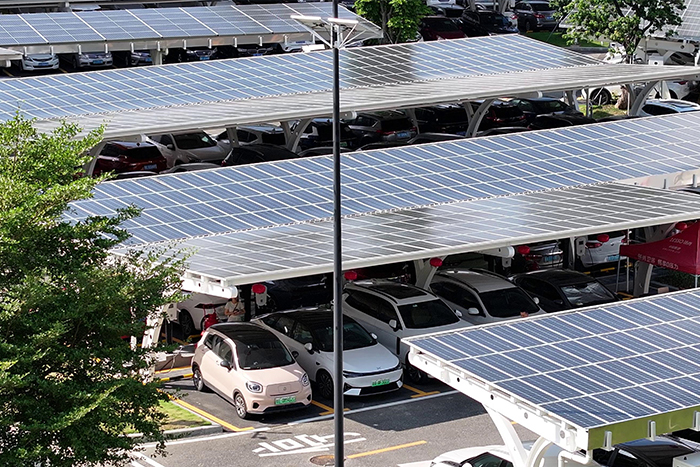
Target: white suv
(392, 311)
(482, 296)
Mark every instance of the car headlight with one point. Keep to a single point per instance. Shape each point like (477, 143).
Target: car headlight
(252, 386)
(305, 380)
(83, 56)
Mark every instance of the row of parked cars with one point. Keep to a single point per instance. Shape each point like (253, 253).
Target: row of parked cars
(378, 314)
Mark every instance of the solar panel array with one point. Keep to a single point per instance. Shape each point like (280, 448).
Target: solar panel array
(293, 191)
(64, 95)
(690, 27)
(244, 257)
(158, 23)
(593, 368)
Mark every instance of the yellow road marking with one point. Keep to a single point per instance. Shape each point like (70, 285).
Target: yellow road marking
(210, 417)
(165, 380)
(328, 410)
(62, 70)
(418, 392)
(8, 73)
(392, 448)
(173, 369)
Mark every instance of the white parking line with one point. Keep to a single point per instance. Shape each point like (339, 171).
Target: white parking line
(145, 458)
(374, 407)
(205, 438)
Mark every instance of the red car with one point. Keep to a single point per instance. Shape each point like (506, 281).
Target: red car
(435, 28)
(122, 156)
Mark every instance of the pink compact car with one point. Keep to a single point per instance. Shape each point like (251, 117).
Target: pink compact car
(250, 367)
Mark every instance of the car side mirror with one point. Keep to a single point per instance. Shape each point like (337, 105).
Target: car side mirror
(393, 324)
(473, 311)
(458, 313)
(374, 336)
(225, 364)
(309, 346)
(536, 300)
(170, 146)
(295, 354)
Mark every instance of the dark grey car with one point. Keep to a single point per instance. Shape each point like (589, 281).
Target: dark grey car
(534, 15)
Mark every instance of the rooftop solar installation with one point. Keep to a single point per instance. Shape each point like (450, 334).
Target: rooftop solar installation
(615, 368)
(41, 31)
(690, 27)
(66, 95)
(262, 195)
(284, 251)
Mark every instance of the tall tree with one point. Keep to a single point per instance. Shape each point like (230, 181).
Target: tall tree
(399, 19)
(623, 21)
(70, 384)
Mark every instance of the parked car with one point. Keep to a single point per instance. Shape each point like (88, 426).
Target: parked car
(393, 311)
(500, 113)
(532, 107)
(667, 107)
(134, 174)
(446, 9)
(189, 146)
(444, 118)
(257, 50)
(190, 167)
(643, 452)
(36, 62)
(319, 132)
(547, 121)
(368, 367)
(482, 296)
(422, 138)
(249, 366)
(603, 248)
(123, 156)
(384, 126)
(504, 130)
(433, 28)
(192, 312)
(253, 153)
(563, 289)
(195, 54)
(484, 23)
(88, 59)
(256, 134)
(128, 58)
(541, 255)
(297, 292)
(534, 15)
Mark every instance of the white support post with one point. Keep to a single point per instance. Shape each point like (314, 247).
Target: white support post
(294, 136)
(424, 272)
(478, 116)
(412, 115)
(642, 273)
(94, 152)
(150, 336)
(156, 56)
(510, 438)
(232, 135)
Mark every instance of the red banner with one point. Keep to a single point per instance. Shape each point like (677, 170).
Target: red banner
(679, 252)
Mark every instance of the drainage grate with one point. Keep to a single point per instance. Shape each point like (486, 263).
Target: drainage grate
(326, 460)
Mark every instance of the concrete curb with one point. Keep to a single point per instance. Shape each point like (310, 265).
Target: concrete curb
(180, 433)
(588, 50)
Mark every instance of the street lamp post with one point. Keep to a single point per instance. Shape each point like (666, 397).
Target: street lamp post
(339, 32)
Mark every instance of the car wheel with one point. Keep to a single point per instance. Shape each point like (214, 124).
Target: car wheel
(198, 381)
(186, 324)
(414, 374)
(76, 63)
(601, 96)
(239, 404)
(528, 26)
(325, 384)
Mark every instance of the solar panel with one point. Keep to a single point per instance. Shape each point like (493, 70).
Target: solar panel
(247, 256)
(590, 372)
(293, 191)
(85, 27)
(258, 77)
(690, 27)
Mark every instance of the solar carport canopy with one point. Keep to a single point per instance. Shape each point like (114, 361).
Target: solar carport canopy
(288, 87)
(161, 28)
(572, 377)
(272, 220)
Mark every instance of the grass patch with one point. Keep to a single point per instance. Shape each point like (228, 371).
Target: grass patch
(177, 418)
(601, 111)
(557, 38)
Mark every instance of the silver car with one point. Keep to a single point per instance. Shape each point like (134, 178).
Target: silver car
(534, 15)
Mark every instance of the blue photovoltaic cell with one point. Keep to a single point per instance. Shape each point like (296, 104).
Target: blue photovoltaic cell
(213, 81)
(629, 382)
(452, 176)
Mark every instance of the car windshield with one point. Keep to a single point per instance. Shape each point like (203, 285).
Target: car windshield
(542, 7)
(194, 141)
(507, 303)
(263, 354)
(354, 337)
(441, 24)
(494, 19)
(589, 293)
(427, 314)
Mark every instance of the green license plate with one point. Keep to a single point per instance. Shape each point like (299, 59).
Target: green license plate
(380, 382)
(285, 400)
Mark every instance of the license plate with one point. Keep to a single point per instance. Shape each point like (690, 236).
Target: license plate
(549, 18)
(98, 62)
(204, 57)
(403, 134)
(150, 166)
(285, 400)
(613, 257)
(258, 55)
(462, 133)
(43, 64)
(380, 382)
(550, 258)
(148, 60)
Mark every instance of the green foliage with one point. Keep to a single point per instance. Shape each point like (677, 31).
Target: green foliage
(623, 21)
(399, 19)
(69, 384)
